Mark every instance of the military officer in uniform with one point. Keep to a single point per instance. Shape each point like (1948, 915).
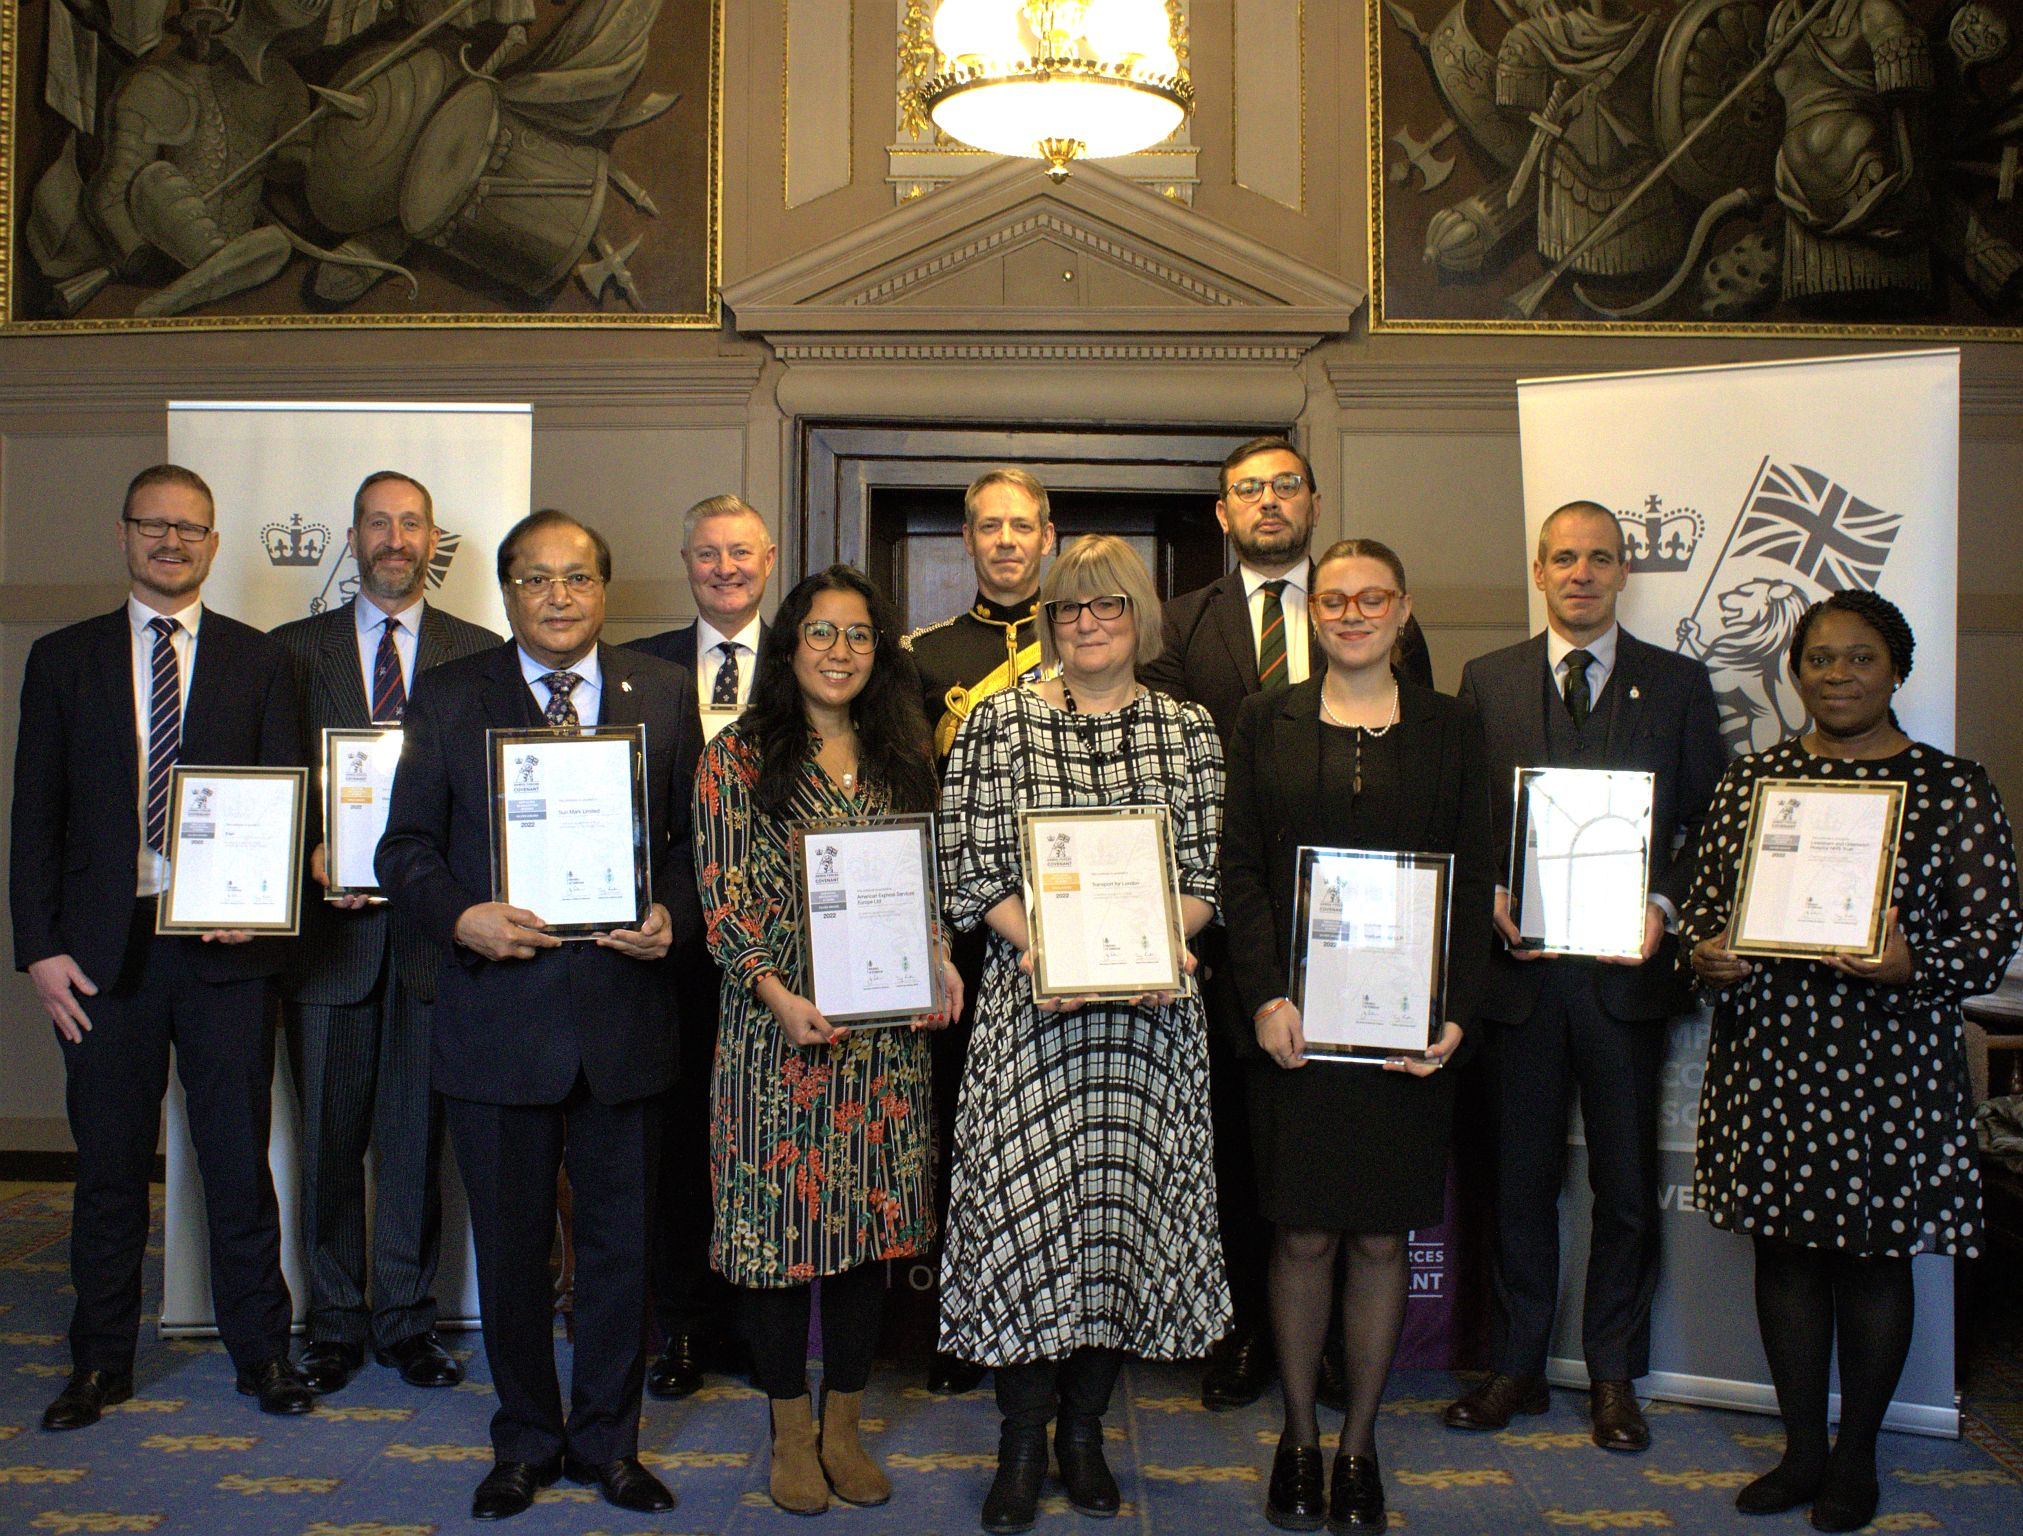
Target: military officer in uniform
(1008, 529)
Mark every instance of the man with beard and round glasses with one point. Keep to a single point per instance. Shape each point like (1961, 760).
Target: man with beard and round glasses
(1244, 633)
(358, 990)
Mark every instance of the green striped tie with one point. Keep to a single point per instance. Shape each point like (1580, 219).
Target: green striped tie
(1271, 671)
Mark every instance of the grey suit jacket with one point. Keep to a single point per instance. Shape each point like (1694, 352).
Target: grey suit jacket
(340, 953)
(1664, 723)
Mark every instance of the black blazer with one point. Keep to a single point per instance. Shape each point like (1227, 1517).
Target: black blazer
(1664, 722)
(678, 645)
(519, 1031)
(1275, 804)
(1210, 658)
(338, 958)
(77, 784)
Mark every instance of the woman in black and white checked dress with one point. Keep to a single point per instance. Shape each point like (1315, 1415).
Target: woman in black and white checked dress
(1082, 1222)
(1835, 1121)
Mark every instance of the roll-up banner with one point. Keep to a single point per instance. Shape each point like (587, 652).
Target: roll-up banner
(284, 474)
(1746, 493)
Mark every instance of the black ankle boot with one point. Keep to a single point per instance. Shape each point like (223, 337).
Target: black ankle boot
(1078, 1446)
(1013, 1503)
(1356, 1502)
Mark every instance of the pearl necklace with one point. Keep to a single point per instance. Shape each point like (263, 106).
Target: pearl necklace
(1356, 780)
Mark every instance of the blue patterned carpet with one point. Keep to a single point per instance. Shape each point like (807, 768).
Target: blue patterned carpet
(380, 1459)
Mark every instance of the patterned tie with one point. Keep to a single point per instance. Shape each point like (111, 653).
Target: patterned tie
(1578, 699)
(560, 711)
(1271, 671)
(389, 693)
(165, 730)
(724, 694)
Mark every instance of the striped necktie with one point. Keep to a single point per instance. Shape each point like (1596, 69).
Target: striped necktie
(1271, 672)
(560, 711)
(389, 692)
(165, 730)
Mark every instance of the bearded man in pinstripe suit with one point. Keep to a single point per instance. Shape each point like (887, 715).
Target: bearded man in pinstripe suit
(359, 989)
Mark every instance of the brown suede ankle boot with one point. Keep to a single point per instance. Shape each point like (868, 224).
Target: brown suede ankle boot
(797, 1484)
(853, 1475)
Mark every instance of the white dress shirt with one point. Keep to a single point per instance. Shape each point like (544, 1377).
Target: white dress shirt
(589, 692)
(709, 658)
(152, 874)
(1294, 603)
(406, 641)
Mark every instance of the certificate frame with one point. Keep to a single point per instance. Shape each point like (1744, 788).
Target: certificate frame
(1527, 783)
(335, 739)
(185, 779)
(560, 738)
(1441, 867)
(1033, 823)
(1762, 821)
(809, 839)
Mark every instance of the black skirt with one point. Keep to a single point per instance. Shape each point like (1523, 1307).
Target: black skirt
(1350, 1148)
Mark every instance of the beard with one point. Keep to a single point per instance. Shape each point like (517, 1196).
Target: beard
(1275, 548)
(378, 581)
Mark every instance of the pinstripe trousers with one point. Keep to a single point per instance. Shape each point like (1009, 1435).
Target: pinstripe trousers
(363, 1073)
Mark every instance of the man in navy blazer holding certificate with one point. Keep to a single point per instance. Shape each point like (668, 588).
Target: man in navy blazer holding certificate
(550, 1053)
(1585, 694)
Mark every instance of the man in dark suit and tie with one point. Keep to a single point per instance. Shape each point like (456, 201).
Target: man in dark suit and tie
(108, 708)
(550, 1054)
(1585, 694)
(729, 557)
(1242, 633)
(359, 985)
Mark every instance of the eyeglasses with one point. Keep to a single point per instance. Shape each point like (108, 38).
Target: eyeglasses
(155, 527)
(1249, 488)
(577, 582)
(1371, 602)
(821, 636)
(1066, 610)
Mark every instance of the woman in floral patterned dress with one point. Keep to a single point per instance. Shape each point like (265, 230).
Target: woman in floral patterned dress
(819, 1136)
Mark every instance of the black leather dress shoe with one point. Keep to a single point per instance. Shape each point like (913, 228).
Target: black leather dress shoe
(1013, 1503)
(1618, 1421)
(1239, 1373)
(677, 1370)
(510, 1487)
(85, 1396)
(1356, 1502)
(951, 1375)
(326, 1368)
(1298, 1498)
(1493, 1404)
(422, 1361)
(278, 1385)
(1078, 1447)
(625, 1483)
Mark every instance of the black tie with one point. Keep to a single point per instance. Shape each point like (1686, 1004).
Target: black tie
(725, 694)
(1578, 699)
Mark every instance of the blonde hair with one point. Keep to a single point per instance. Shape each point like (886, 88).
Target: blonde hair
(1096, 565)
(722, 506)
(1014, 477)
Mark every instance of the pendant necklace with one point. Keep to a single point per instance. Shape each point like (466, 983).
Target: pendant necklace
(1356, 777)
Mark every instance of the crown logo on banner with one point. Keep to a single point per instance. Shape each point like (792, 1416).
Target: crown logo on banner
(1658, 539)
(296, 543)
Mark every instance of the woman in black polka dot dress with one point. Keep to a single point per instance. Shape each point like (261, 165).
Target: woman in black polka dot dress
(1835, 1120)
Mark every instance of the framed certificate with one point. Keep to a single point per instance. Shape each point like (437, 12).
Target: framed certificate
(235, 850)
(357, 783)
(1817, 868)
(1369, 952)
(869, 902)
(569, 835)
(1580, 860)
(1102, 902)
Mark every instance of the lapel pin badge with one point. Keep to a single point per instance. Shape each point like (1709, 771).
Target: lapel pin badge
(1636, 693)
(625, 685)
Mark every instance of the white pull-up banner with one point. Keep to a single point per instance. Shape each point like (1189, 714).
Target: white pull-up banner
(1745, 494)
(283, 474)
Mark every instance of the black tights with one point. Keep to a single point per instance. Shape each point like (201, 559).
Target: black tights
(1079, 1387)
(1374, 1282)
(776, 1326)
(1804, 1298)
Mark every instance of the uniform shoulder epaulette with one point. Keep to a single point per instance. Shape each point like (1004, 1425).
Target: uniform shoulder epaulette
(906, 640)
